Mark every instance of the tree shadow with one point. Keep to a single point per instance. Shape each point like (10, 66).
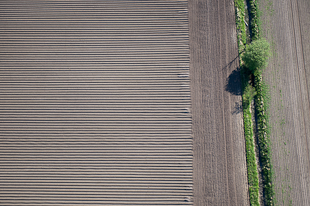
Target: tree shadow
(230, 63)
(238, 108)
(233, 85)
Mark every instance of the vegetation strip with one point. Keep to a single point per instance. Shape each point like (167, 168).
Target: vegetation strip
(248, 93)
(255, 24)
(254, 60)
(262, 98)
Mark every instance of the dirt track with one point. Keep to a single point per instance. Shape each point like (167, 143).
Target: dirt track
(286, 25)
(219, 167)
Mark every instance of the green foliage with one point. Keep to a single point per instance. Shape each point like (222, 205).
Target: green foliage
(261, 95)
(255, 23)
(248, 95)
(256, 55)
(241, 28)
(262, 99)
(247, 98)
(250, 146)
(255, 58)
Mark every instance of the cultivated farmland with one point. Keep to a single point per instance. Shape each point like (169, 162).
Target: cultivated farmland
(219, 166)
(286, 26)
(120, 102)
(95, 103)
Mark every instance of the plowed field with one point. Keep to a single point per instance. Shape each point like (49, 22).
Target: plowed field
(120, 103)
(94, 103)
(286, 25)
(219, 171)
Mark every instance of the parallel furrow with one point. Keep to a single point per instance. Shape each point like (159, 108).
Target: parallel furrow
(95, 104)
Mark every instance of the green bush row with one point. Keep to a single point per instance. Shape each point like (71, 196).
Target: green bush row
(241, 28)
(248, 93)
(255, 24)
(262, 98)
(254, 61)
(247, 96)
(261, 106)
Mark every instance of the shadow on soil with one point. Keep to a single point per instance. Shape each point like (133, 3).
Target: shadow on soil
(234, 83)
(237, 108)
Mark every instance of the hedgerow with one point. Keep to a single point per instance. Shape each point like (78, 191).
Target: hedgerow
(261, 106)
(261, 98)
(248, 93)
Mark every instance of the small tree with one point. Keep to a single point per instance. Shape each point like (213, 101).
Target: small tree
(256, 55)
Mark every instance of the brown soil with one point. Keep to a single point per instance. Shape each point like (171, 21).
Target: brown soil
(98, 110)
(94, 103)
(219, 166)
(286, 26)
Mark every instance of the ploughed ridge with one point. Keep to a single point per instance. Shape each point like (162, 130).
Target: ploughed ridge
(95, 103)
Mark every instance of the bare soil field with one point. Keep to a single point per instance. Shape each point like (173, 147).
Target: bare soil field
(219, 164)
(286, 25)
(95, 103)
(114, 103)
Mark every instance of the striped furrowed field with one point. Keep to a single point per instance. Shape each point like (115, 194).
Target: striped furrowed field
(95, 103)
(120, 102)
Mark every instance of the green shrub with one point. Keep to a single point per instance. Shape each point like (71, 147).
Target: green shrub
(254, 60)
(255, 23)
(256, 55)
(262, 99)
(240, 24)
(248, 95)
